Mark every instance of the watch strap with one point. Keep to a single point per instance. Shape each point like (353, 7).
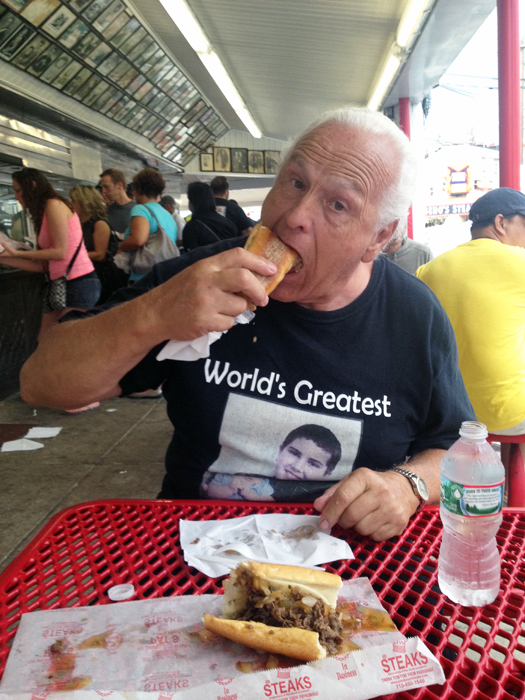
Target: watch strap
(412, 478)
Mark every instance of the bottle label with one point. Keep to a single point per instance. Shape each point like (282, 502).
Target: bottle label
(471, 501)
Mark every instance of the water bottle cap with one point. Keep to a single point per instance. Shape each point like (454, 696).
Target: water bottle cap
(473, 429)
(121, 592)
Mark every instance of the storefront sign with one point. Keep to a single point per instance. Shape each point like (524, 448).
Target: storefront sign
(446, 209)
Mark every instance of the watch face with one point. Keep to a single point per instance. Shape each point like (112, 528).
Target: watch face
(423, 490)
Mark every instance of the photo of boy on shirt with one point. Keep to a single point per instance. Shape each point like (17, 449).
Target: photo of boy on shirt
(308, 453)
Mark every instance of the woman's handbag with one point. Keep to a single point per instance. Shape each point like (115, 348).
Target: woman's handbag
(55, 291)
(157, 248)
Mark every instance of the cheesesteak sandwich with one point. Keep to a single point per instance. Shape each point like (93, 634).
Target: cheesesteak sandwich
(262, 241)
(280, 609)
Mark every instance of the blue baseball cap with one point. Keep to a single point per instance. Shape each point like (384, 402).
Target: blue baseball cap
(503, 200)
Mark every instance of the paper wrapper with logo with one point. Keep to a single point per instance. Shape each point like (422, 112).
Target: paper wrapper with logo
(153, 649)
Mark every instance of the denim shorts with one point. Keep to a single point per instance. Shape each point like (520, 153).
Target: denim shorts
(83, 292)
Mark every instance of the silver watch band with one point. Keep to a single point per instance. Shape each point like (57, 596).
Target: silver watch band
(418, 485)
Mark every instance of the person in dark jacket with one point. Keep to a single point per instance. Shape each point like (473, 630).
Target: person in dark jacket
(229, 207)
(206, 224)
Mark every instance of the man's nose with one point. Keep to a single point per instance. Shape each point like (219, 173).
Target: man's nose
(301, 214)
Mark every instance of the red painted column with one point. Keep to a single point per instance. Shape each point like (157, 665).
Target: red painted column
(404, 123)
(509, 94)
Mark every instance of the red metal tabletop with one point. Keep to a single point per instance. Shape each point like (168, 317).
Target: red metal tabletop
(88, 548)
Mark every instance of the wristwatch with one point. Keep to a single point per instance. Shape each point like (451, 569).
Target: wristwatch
(418, 485)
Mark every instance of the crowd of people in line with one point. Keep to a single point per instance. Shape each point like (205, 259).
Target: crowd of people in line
(97, 237)
(105, 238)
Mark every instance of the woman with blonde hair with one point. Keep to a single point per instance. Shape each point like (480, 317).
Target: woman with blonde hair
(101, 243)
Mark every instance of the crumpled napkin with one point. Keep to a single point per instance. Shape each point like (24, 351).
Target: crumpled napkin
(217, 546)
(189, 350)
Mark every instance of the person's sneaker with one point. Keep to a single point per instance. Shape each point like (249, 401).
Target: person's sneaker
(89, 407)
(148, 394)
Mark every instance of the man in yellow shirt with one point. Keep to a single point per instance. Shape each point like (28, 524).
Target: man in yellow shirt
(481, 285)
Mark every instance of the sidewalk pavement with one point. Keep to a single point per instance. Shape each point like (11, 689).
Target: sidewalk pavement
(99, 454)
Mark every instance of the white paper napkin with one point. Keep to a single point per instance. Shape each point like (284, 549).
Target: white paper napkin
(21, 445)
(41, 432)
(190, 350)
(217, 546)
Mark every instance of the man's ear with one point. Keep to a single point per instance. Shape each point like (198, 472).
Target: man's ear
(500, 226)
(379, 242)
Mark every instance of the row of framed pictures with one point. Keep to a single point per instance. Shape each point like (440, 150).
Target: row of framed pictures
(97, 52)
(239, 160)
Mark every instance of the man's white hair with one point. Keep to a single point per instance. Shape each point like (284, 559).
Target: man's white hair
(397, 198)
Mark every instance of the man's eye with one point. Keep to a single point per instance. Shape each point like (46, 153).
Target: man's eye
(338, 206)
(298, 184)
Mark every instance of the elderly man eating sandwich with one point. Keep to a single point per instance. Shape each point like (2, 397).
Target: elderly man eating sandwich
(348, 341)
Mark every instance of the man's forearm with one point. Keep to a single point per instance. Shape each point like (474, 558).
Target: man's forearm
(82, 361)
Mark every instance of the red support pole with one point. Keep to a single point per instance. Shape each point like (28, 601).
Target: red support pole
(509, 94)
(404, 123)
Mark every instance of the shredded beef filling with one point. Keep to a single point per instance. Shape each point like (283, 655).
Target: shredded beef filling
(326, 624)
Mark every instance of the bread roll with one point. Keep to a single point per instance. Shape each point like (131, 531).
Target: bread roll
(262, 241)
(282, 596)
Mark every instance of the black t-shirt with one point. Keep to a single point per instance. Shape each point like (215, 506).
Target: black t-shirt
(381, 375)
(119, 215)
(234, 213)
(203, 229)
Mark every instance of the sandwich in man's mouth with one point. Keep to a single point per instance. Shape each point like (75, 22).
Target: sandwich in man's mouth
(262, 241)
(281, 609)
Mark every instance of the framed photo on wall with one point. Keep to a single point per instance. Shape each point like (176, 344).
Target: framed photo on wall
(79, 5)
(74, 33)
(222, 159)
(271, 161)
(239, 160)
(87, 87)
(79, 80)
(59, 22)
(90, 99)
(45, 60)
(256, 162)
(115, 26)
(98, 54)
(9, 24)
(16, 4)
(87, 44)
(206, 161)
(20, 38)
(55, 68)
(94, 9)
(30, 52)
(39, 10)
(65, 76)
(109, 14)
(127, 30)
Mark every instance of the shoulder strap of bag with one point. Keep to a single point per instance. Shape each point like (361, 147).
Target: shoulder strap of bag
(72, 261)
(153, 215)
(215, 236)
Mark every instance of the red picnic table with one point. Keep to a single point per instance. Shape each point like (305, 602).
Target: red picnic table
(90, 547)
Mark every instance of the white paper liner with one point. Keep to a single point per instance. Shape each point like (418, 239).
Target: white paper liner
(159, 649)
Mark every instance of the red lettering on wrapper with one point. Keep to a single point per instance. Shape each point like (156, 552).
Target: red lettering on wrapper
(285, 687)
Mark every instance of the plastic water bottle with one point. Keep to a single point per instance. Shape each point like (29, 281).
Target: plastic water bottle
(472, 486)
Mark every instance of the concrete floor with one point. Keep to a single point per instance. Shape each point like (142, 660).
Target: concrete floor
(99, 454)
